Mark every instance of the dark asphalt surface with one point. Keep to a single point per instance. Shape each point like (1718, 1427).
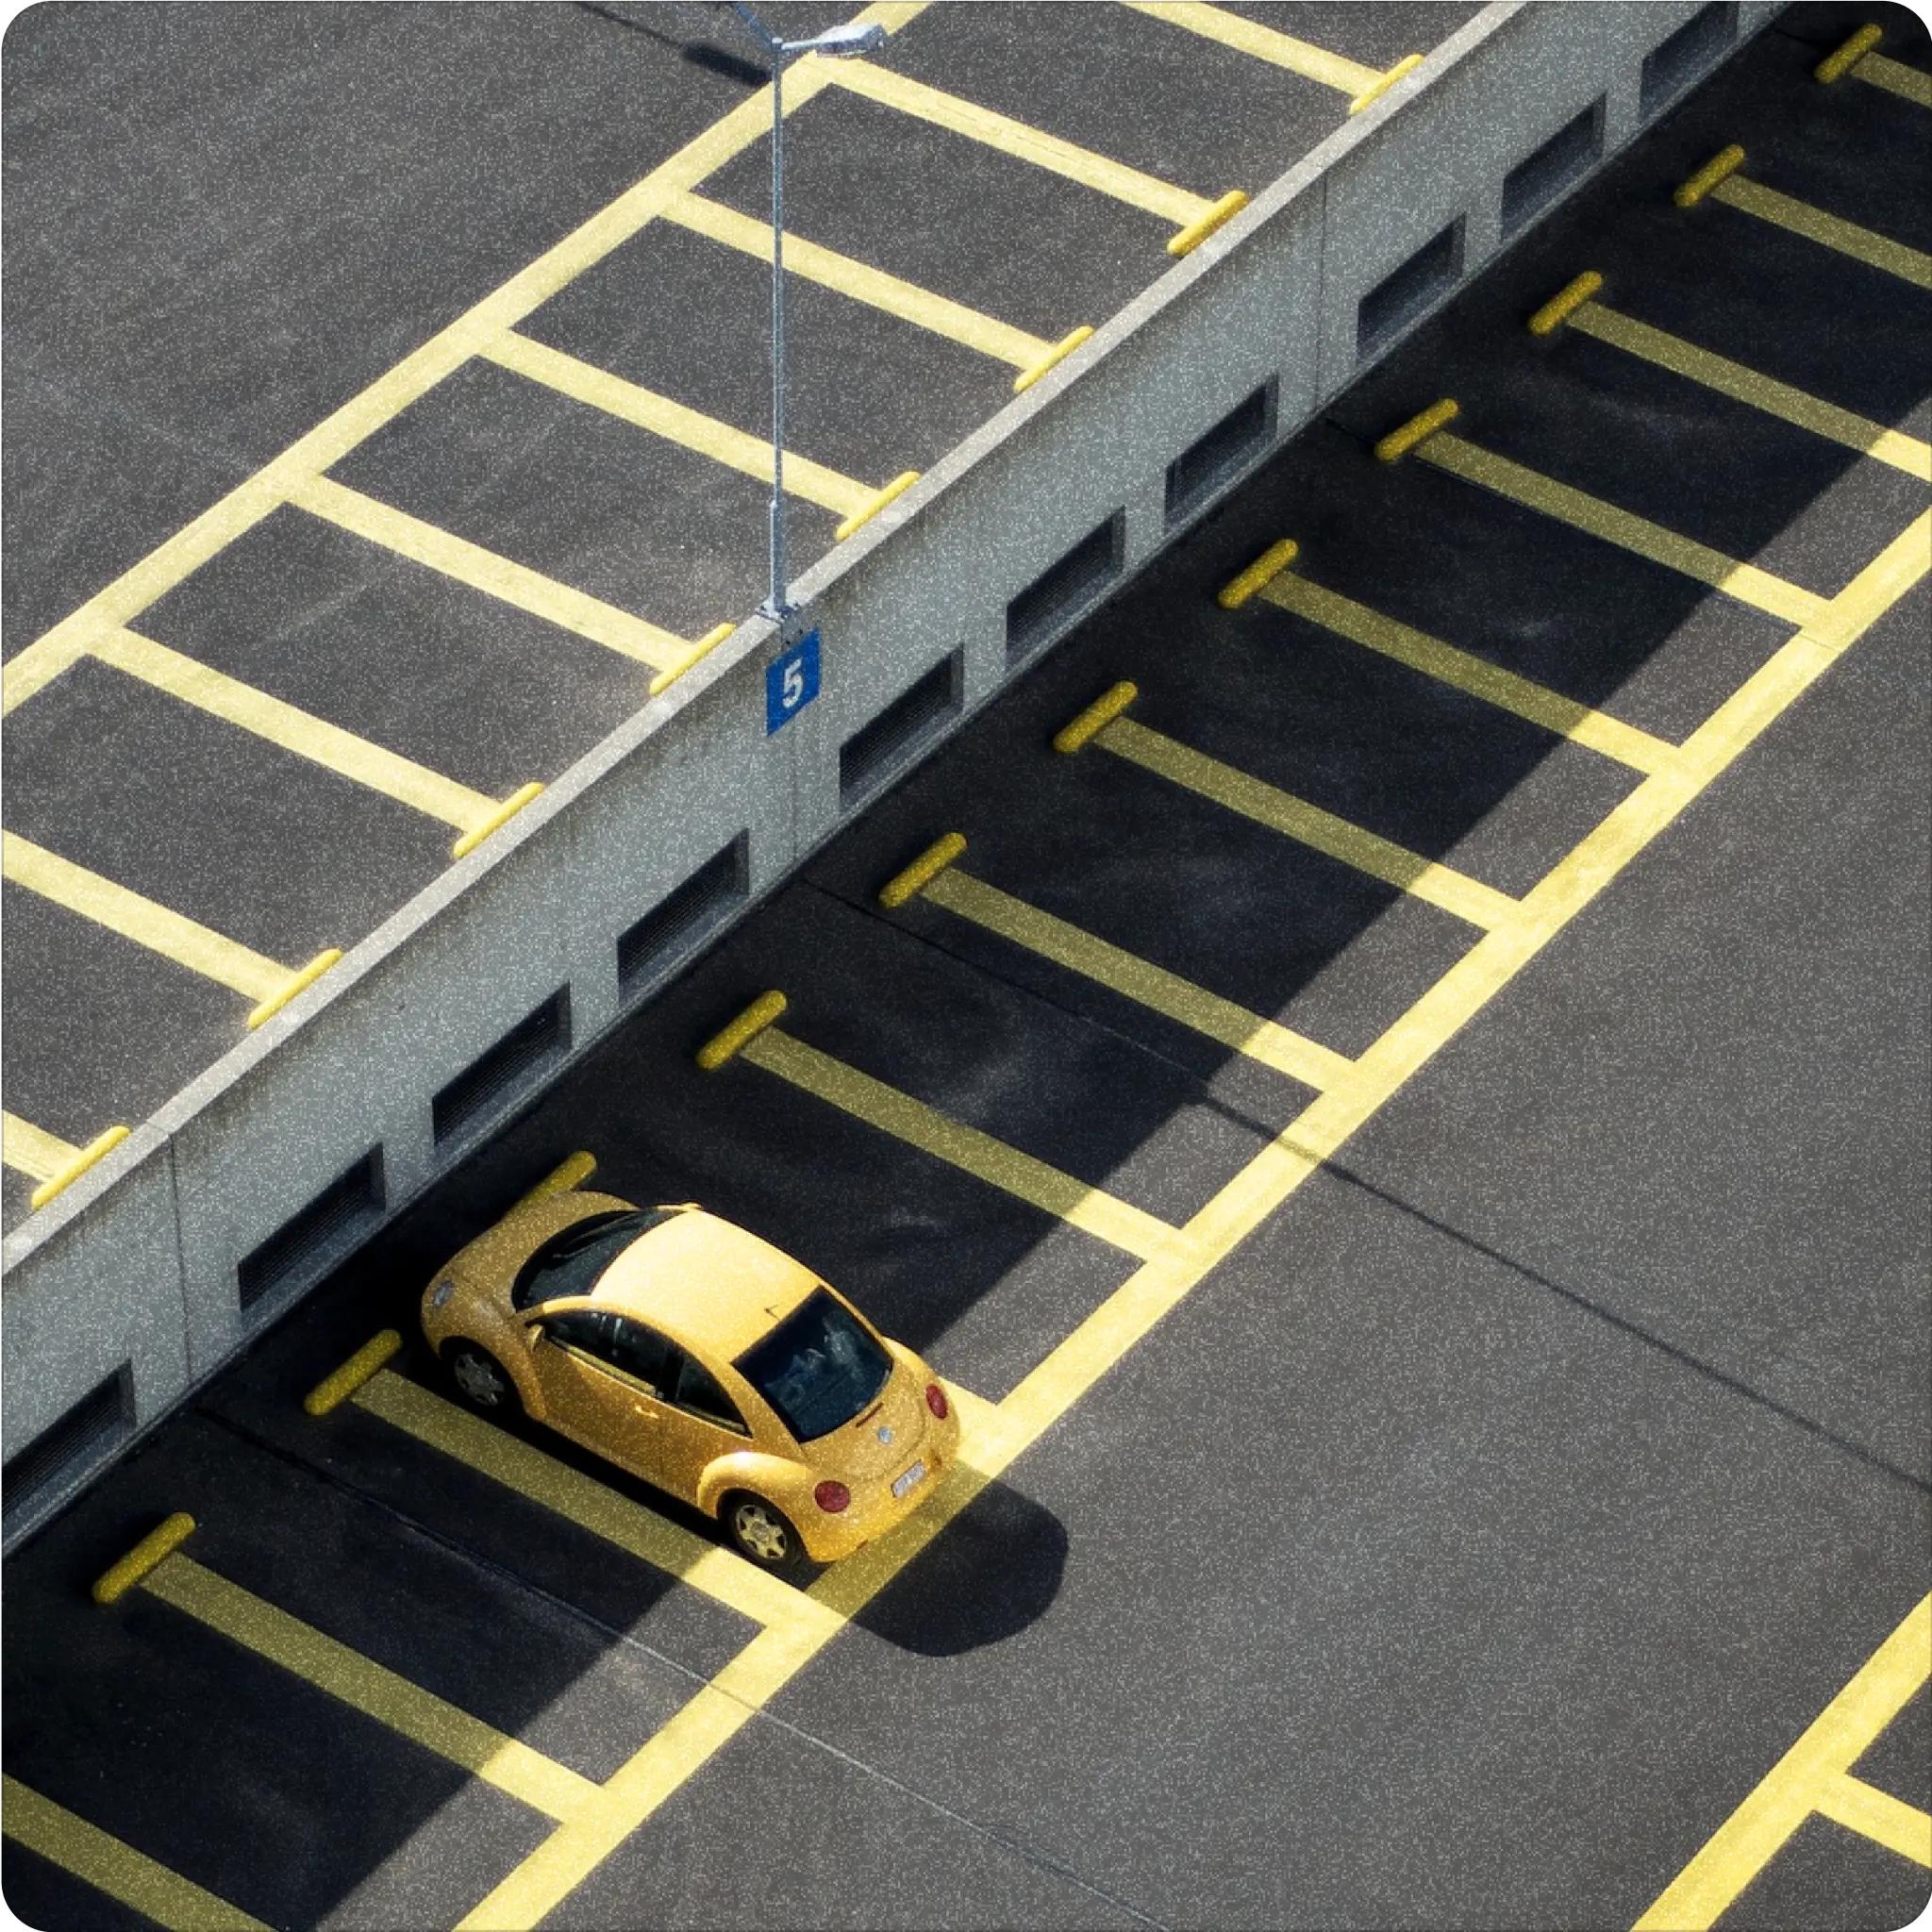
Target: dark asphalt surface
(1469, 1543)
(223, 222)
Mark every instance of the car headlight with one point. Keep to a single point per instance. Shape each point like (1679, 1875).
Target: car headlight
(441, 1292)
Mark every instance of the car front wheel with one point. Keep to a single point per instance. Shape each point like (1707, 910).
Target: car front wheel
(480, 1378)
(761, 1532)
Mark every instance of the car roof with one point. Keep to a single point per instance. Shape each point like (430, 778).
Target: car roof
(704, 1283)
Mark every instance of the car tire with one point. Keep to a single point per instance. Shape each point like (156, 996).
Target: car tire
(761, 1532)
(481, 1380)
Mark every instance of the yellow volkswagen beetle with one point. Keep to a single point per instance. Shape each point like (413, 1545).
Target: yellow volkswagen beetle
(703, 1360)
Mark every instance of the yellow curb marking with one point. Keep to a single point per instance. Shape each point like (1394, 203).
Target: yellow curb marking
(1639, 535)
(855, 280)
(735, 449)
(1742, 385)
(1813, 1775)
(1091, 1209)
(1336, 838)
(1263, 43)
(1829, 231)
(1537, 703)
(113, 1868)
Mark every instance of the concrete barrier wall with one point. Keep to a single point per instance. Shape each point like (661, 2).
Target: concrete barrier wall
(133, 1270)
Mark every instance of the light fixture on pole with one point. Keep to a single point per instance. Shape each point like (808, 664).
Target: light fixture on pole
(837, 44)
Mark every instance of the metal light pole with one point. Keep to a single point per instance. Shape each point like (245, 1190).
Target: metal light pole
(836, 42)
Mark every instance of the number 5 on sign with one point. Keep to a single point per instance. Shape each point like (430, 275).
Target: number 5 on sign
(791, 682)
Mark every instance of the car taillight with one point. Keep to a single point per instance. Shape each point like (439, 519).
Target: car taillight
(831, 1497)
(935, 1400)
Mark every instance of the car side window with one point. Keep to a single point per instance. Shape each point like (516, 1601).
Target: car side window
(585, 1329)
(641, 1353)
(697, 1390)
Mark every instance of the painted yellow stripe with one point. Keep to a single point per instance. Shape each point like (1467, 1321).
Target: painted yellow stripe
(734, 448)
(33, 1151)
(1059, 1381)
(1895, 77)
(1016, 138)
(1861, 1808)
(1733, 379)
(305, 460)
(1285, 1051)
(1248, 36)
(1577, 507)
(860, 282)
(117, 1869)
(1295, 818)
(301, 732)
(1000, 1166)
(717, 1573)
(1476, 675)
(1323, 1127)
(484, 570)
(1788, 1794)
(171, 934)
(1829, 231)
(366, 1685)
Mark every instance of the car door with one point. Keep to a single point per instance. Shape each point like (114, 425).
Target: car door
(593, 1391)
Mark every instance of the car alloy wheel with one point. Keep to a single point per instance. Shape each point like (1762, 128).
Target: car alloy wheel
(761, 1531)
(479, 1380)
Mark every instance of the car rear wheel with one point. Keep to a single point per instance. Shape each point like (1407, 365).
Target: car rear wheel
(761, 1532)
(480, 1378)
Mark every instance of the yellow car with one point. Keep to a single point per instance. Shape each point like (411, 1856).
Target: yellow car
(701, 1359)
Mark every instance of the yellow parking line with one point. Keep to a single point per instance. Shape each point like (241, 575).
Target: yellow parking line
(1733, 379)
(1577, 507)
(1874, 1814)
(277, 482)
(103, 1862)
(1308, 824)
(33, 1151)
(860, 282)
(734, 448)
(1140, 980)
(1896, 77)
(1022, 141)
(1599, 732)
(1098, 1344)
(1830, 232)
(366, 1685)
(1809, 1777)
(171, 934)
(1247, 37)
(301, 732)
(484, 570)
(1091, 1209)
(716, 1572)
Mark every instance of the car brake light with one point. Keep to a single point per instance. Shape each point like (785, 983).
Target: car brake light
(831, 1497)
(935, 1400)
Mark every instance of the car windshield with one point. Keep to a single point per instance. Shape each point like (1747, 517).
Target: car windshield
(570, 1261)
(818, 1368)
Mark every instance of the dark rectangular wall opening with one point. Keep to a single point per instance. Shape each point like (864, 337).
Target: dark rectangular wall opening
(1203, 466)
(511, 1066)
(875, 748)
(678, 921)
(1056, 594)
(1671, 67)
(351, 1204)
(103, 1416)
(1533, 183)
(1399, 298)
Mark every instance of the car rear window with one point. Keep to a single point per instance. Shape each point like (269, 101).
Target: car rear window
(818, 1368)
(570, 1260)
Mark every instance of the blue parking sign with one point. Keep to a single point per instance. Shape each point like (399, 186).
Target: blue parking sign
(791, 682)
